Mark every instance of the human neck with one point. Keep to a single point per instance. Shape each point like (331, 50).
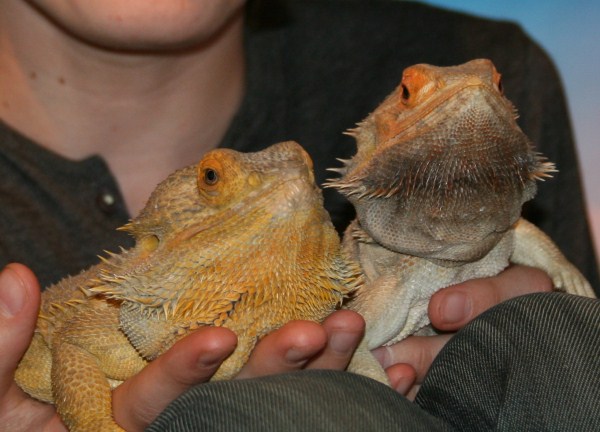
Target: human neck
(145, 114)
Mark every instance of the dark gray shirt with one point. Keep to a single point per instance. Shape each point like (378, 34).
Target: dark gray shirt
(315, 68)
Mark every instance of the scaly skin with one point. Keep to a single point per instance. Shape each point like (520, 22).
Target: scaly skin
(438, 182)
(240, 241)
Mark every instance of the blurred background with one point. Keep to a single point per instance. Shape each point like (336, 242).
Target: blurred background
(569, 30)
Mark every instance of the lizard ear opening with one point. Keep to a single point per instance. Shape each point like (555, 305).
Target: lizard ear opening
(149, 243)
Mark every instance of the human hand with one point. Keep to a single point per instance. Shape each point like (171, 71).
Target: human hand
(19, 303)
(307, 345)
(195, 358)
(450, 309)
(136, 402)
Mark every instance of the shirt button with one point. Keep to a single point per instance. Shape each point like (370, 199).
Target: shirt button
(106, 201)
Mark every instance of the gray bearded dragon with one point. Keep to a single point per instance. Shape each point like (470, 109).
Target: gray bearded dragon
(438, 181)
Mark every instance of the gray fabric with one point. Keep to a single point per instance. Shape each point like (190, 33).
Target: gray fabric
(315, 68)
(52, 217)
(301, 401)
(529, 364)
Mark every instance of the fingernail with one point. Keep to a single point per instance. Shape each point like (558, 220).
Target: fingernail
(455, 308)
(209, 359)
(342, 342)
(296, 355)
(12, 293)
(404, 384)
(382, 355)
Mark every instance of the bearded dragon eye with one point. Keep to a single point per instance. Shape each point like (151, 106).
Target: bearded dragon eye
(405, 93)
(500, 86)
(211, 177)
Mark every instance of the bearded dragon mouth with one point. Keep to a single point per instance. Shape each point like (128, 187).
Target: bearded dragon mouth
(285, 197)
(427, 115)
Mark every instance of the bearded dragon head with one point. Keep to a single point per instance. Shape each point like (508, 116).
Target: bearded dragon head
(442, 169)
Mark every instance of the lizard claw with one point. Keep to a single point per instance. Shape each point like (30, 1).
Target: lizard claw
(567, 278)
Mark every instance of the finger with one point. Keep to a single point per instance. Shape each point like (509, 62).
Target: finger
(287, 349)
(402, 377)
(344, 330)
(192, 360)
(416, 351)
(19, 303)
(411, 394)
(453, 307)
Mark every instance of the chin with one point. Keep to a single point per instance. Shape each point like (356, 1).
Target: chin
(140, 25)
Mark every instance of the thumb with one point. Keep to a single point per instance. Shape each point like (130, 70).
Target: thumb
(19, 303)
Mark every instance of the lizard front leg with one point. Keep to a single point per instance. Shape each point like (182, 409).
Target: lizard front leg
(391, 304)
(535, 249)
(76, 372)
(87, 351)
